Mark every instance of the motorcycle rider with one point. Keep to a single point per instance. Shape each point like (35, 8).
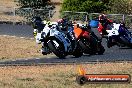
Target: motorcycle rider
(46, 29)
(66, 27)
(62, 23)
(103, 23)
(40, 30)
(103, 26)
(38, 26)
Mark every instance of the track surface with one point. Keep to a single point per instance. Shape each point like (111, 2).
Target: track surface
(111, 54)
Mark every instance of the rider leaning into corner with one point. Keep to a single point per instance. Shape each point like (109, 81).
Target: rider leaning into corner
(41, 26)
(103, 22)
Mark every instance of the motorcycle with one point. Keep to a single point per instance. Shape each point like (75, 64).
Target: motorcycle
(88, 41)
(58, 42)
(118, 35)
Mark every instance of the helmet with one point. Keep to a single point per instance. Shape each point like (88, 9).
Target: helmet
(36, 21)
(60, 21)
(102, 18)
(70, 23)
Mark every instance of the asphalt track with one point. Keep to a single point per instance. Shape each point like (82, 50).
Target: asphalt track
(114, 54)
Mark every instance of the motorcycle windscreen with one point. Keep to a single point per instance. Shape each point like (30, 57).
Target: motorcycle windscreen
(77, 32)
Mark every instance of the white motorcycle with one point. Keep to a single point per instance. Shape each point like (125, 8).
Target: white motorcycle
(60, 44)
(118, 35)
(57, 42)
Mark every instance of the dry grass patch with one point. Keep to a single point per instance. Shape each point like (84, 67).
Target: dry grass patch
(7, 8)
(8, 3)
(14, 48)
(59, 76)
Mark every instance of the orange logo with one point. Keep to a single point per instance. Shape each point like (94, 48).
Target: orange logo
(82, 78)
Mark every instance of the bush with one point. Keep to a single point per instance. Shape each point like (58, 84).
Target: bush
(90, 6)
(121, 6)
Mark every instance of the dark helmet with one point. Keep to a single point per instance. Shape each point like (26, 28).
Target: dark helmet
(69, 23)
(36, 21)
(122, 23)
(102, 18)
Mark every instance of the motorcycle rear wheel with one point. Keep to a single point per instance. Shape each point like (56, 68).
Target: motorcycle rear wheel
(78, 52)
(101, 50)
(87, 46)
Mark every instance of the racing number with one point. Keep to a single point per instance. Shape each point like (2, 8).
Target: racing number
(113, 32)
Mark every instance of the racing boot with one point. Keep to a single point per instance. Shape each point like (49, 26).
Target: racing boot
(44, 50)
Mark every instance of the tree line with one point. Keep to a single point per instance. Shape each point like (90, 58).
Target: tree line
(90, 6)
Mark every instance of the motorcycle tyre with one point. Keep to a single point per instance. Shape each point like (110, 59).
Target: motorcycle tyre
(78, 52)
(87, 47)
(101, 50)
(58, 52)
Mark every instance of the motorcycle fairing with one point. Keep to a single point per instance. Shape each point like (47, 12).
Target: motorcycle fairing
(45, 31)
(78, 32)
(62, 37)
(114, 30)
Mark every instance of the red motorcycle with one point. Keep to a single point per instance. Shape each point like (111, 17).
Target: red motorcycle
(88, 41)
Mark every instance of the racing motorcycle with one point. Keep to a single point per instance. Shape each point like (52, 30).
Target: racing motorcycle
(118, 35)
(59, 42)
(88, 41)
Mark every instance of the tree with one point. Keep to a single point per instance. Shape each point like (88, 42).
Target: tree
(121, 6)
(33, 3)
(98, 6)
(84, 6)
(93, 7)
(88, 6)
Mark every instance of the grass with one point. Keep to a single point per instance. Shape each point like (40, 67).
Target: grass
(7, 11)
(16, 48)
(8, 3)
(59, 76)
(47, 76)
(7, 14)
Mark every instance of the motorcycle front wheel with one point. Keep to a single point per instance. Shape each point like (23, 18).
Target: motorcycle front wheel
(57, 48)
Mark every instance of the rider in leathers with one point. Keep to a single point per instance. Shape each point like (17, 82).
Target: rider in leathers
(41, 28)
